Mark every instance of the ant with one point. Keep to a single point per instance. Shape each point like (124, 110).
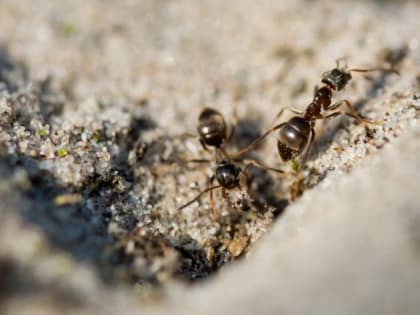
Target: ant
(227, 174)
(213, 132)
(296, 135)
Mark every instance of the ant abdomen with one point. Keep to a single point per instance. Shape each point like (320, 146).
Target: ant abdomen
(212, 127)
(293, 137)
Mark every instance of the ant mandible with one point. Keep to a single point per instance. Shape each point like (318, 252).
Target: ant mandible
(213, 132)
(296, 135)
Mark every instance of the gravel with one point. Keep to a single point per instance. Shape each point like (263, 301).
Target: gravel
(95, 100)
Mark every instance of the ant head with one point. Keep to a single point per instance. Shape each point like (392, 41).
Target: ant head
(227, 174)
(336, 78)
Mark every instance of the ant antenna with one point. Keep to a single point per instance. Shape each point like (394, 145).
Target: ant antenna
(199, 196)
(223, 153)
(250, 162)
(338, 60)
(344, 58)
(392, 70)
(256, 141)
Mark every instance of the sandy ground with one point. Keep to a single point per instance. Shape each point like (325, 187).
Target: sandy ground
(94, 100)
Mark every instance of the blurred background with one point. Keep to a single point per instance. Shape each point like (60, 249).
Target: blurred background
(93, 95)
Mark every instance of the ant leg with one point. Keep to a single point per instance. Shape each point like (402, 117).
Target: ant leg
(296, 187)
(265, 134)
(307, 149)
(352, 112)
(224, 193)
(198, 161)
(159, 170)
(213, 213)
(223, 153)
(199, 196)
(246, 177)
(186, 135)
(163, 247)
(249, 162)
(290, 109)
(281, 112)
(203, 144)
(256, 141)
(233, 122)
(392, 70)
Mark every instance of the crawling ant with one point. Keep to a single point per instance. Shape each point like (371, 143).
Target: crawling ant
(296, 135)
(213, 132)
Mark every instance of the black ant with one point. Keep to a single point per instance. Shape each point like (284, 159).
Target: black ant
(213, 131)
(297, 134)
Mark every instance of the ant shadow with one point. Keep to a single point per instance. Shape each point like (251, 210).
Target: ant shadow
(83, 228)
(262, 186)
(12, 73)
(21, 284)
(80, 228)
